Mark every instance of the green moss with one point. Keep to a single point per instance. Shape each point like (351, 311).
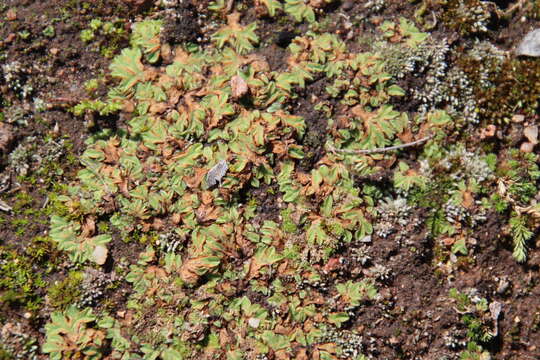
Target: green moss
(5, 354)
(22, 200)
(54, 205)
(67, 291)
(513, 85)
(103, 227)
(288, 224)
(522, 172)
(19, 281)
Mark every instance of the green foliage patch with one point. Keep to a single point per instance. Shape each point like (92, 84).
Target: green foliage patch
(207, 131)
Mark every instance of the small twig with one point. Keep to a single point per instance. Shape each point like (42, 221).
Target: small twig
(506, 14)
(379, 150)
(61, 103)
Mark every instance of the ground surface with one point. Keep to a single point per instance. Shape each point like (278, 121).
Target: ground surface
(294, 276)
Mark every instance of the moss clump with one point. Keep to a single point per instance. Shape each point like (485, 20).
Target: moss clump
(66, 291)
(504, 88)
(288, 223)
(20, 284)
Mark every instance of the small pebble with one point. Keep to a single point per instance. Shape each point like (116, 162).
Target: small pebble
(531, 133)
(100, 254)
(254, 322)
(503, 286)
(526, 147)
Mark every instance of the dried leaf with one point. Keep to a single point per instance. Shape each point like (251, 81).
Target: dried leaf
(194, 268)
(332, 264)
(195, 180)
(206, 213)
(216, 173)
(158, 108)
(176, 218)
(112, 151)
(265, 256)
(207, 198)
(88, 228)
(468, 199)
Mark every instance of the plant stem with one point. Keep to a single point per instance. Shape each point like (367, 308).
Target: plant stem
(383, 149)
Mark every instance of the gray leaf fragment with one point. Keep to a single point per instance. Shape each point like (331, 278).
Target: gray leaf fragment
(530, 45)
(366, 239)
(495, 310)
(5, 207)
(216, 173)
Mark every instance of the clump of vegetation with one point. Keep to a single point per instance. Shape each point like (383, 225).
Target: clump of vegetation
(206, 127)
(495, 82)
(20, 285)
(66, 292)
(105, 36)
(518, 175)
(69, 335)
(466, 17)
(252, 205)
(480, 321)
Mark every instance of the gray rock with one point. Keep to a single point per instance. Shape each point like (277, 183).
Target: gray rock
(530, 45)
(100, 254)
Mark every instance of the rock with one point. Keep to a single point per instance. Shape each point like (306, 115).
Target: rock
(495, 310)
(488, 132)
(530, 45)
(239, 87)
(531, 133)
(526, 147)
(366, 239)
(100, 254)
(348, 5)
(503, 285)
(254, 322)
